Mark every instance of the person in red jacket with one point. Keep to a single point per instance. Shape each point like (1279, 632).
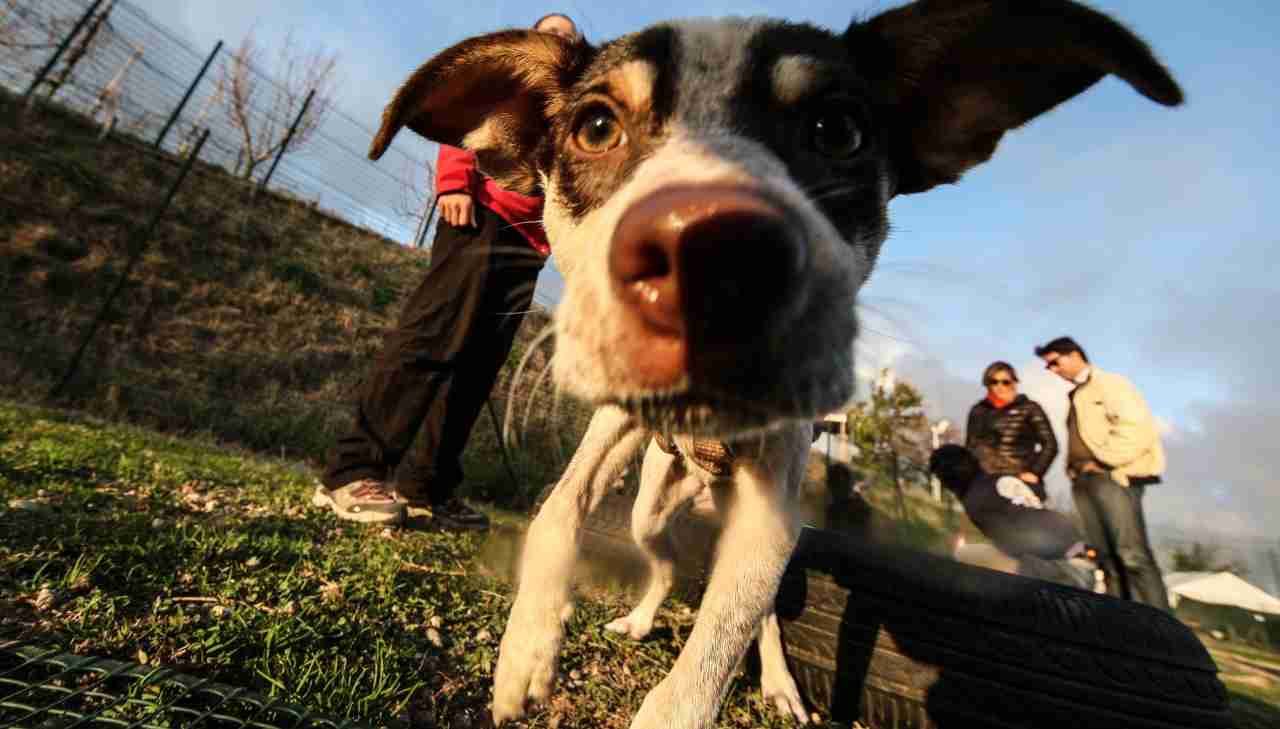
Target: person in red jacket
(416, 408)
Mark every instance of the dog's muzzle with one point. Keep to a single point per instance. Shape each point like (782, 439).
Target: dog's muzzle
(703, 273)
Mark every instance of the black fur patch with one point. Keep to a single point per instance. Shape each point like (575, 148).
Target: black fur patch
(586, 184)
(717, 77)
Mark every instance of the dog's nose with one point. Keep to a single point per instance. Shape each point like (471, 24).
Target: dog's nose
(705, 264)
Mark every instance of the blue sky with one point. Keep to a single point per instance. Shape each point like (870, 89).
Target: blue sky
(1140, 230)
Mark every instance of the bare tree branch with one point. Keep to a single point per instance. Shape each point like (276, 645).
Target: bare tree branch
(193, 129)
(109, 98)
(81, 49)
(262, 109)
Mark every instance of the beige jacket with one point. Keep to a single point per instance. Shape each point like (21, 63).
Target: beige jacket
(1117, 426)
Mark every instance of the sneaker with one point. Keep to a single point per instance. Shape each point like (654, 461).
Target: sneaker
(366, 501)
(452, 514)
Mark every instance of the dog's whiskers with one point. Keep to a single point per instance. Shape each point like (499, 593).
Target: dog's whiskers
(838, 192)
(542, 336)
(537, 384)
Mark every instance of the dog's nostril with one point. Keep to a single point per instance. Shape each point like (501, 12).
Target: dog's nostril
(646, 260)
(735, 269)
(689, 260)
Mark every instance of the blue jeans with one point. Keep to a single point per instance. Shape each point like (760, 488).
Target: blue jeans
(1112, 518)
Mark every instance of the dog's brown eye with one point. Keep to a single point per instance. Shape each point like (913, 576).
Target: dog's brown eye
(836, 134)
(598, 132)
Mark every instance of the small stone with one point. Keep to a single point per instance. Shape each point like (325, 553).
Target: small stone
(331, 592)
(26, 505)
(434, 638)
(45, 599)
(42, 493)
(157, 523)
(483, 636)
(436, 622)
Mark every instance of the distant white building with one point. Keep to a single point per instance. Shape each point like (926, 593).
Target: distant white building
(834, 441)
(1226, 606)
(1220, 588)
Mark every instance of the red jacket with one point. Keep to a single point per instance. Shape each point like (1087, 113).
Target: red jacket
(456, 172)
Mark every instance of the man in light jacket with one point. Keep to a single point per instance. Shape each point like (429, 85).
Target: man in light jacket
(1113, 454)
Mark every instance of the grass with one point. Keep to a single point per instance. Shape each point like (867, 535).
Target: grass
(250, 321)
(1255, 694)
(237, 343)
(130, 544)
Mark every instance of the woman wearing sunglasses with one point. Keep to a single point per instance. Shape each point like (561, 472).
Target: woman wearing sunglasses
(1009, 432)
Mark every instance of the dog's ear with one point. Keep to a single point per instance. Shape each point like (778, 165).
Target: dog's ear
(957, 74)
(493, 93)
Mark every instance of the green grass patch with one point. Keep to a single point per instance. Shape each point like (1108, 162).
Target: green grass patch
(126, 543)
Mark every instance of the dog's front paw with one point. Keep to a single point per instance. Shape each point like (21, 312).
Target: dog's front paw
(527, 657)
(636, 624)
(668, 708)
(657, 711)
(780, 690)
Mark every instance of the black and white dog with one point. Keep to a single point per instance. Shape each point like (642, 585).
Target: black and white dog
(716, 193)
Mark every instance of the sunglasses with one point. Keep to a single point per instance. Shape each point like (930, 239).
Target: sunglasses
(990, 383)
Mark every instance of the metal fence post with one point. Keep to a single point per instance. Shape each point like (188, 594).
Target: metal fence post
(80, 50)
(426, 223)
(285, 144)
(62, 47)
(135, 254)
(187, 96)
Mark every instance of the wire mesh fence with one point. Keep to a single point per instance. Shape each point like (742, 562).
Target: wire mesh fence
(206, 331)
(135, 77)
(47, 688)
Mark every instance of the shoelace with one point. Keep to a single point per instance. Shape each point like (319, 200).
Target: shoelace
(372, 492)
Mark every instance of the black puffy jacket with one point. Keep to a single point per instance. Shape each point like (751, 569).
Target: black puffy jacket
(1005, 440)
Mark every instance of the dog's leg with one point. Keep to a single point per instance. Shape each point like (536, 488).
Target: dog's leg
(759, 534)
(665, 484)
(527, 657)
(776, 683)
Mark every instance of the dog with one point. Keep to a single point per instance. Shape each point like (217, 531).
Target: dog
(676, 468)
(716, 193)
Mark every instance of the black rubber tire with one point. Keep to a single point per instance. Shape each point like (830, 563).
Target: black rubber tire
(896, 638)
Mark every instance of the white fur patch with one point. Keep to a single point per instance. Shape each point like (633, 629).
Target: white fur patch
(589, 362)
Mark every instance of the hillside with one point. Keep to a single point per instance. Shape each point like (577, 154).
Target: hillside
(247, 320)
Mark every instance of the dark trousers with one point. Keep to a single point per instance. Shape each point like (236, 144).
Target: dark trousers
(1061, 571)
(416, 407)
(1113, 522)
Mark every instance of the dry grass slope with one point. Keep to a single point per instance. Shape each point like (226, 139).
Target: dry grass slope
(247, 320)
